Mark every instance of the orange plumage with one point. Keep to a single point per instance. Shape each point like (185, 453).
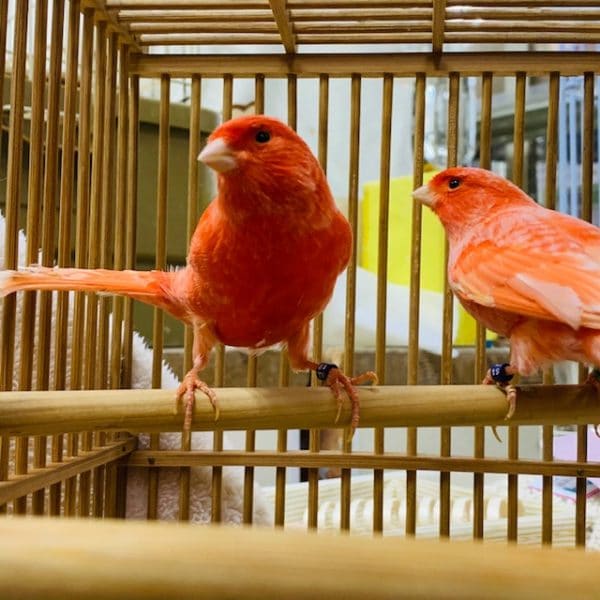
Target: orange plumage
(262, 262)
(524, 271)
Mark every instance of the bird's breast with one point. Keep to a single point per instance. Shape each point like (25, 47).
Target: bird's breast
(257, 288)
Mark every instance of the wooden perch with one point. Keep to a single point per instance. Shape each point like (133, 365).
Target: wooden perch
(36, 413)
(53, 558)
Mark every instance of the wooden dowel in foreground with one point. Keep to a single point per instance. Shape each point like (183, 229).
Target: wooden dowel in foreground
(33, 413)
(79, 558)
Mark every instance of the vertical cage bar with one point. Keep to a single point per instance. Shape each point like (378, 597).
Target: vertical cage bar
(322, 156)
(550, 202)
(192, 218)
(64, 218)
(13, 187)
(350, 321)
(485, 159)
(48, 225)
(284, 368)
(67, 191)
(587, 180)
(160, 264)
(314, 439)
(106, 243)
(34, 206)
(85, 374)
(96, 195)
(314, 445)
(314, 436)
(51, 178)
(412, 375)
(4, 440)
(446, 363)
(83, 192)
(259, 108)
(382, 269)
(217, 472)
(3, 49)
(120, 214)
(513, 431)
(113, 499)
(131, 221)
(107, 220)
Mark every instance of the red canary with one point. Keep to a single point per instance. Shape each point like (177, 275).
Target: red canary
(527, 272)
(262, 262)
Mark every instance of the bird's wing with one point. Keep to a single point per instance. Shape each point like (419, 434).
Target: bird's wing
(544, 272)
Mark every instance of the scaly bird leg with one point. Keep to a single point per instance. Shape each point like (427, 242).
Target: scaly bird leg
(332, 376)
(204, 340)
(328, 373)
(501, 375)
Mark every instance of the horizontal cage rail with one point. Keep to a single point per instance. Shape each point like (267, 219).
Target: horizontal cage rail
(152, 560)
(368, 65)
(360, 460)
(70, 466)
(35, 413)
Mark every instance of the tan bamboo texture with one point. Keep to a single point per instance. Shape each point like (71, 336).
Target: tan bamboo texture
(81, 93)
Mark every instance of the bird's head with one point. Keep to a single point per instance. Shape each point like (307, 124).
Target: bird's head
(259, 157)
(463, 196)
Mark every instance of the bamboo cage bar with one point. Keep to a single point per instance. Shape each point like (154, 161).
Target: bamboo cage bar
(382, 270)
(76, 122)
(587, 167)
(446, 355)
(361, 460)
(34, 208)
(32, 413)
(119, 249)
(192, 218)
(513, 431)
(131, 212)
(217, 472)
(412, 375)
(548, 377)
(284, 369)
(160, 263)
(118, 558)
(350, 320)
(371, 65)
(485, 152)
(69, 468)
(13, 188)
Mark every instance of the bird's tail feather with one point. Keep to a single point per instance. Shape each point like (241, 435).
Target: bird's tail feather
(147, 286)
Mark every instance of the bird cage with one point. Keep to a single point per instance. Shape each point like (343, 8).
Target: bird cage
(106, 106)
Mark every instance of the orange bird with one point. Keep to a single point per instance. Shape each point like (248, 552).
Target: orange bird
(522, 270)
(262, 262)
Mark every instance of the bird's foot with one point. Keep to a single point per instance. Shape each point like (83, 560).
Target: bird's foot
(186, 391)
(332, 376)
(593, 378)
(501, 375)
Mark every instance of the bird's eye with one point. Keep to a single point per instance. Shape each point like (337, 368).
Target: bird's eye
(262, 137)
(453, 183)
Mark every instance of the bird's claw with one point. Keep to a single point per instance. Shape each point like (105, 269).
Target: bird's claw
(500, 376)
(186, 391)
(337, 381)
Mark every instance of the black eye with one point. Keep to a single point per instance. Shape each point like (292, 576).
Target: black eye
(262, 137)
(453, 183)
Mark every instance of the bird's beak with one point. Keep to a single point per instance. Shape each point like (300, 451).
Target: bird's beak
(424, 195)
(218, 156)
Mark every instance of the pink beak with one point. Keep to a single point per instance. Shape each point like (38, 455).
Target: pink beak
(218, 156)
(424, 195)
